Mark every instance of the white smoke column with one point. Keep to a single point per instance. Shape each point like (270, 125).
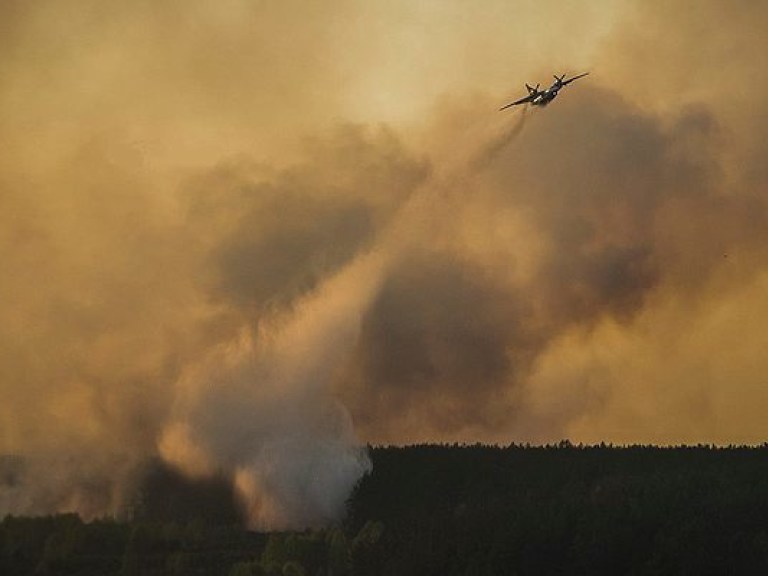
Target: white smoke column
(260, 409)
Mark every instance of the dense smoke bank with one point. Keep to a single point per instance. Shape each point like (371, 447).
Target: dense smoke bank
(217, 254)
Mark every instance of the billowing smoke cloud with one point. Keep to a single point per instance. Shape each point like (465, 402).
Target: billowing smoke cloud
(271, 295)
(247, 262)
(597, 214)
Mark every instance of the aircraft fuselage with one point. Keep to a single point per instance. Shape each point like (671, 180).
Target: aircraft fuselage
(544, 98)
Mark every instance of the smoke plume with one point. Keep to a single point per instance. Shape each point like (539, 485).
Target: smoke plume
(248, 243)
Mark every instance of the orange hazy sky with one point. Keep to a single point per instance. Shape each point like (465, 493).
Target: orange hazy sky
(227, 226)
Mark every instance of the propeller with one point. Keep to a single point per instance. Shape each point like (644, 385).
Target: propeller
(533, 90)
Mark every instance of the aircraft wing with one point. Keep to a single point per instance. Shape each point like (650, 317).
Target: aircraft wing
(566, 82)
(528, 98)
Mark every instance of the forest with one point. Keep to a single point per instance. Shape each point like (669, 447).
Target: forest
(442, 510)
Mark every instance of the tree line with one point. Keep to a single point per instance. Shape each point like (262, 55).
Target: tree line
(442, 509)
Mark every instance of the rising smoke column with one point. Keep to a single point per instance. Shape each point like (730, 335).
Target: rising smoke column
(259, 410)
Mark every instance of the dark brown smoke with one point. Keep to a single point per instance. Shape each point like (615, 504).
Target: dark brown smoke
(621, 208)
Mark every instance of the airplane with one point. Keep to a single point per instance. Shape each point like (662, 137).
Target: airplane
(543, 97)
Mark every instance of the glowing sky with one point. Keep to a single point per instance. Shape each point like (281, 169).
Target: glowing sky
(246, 235)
